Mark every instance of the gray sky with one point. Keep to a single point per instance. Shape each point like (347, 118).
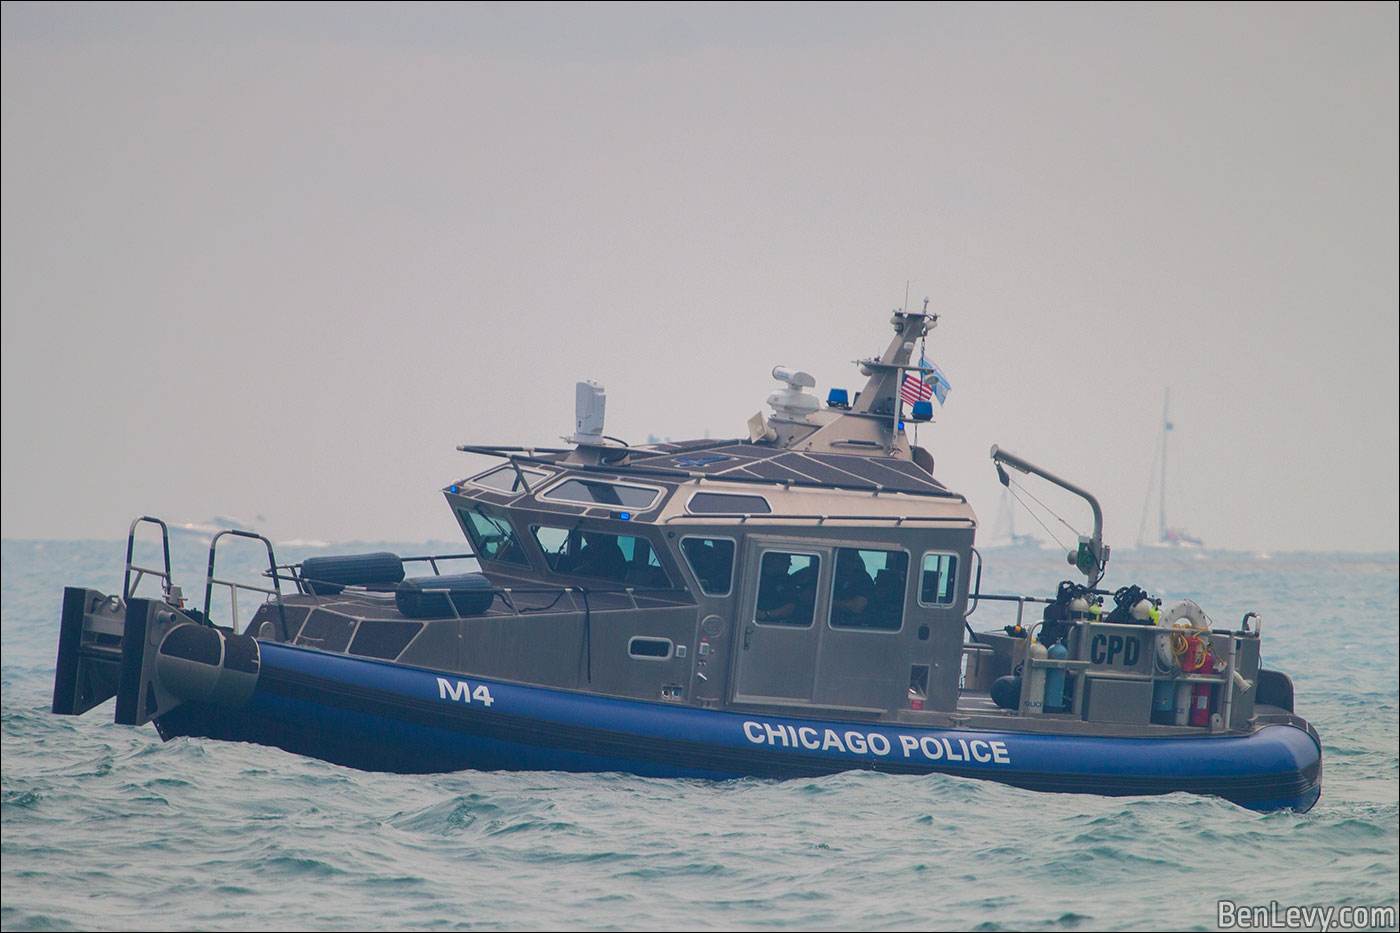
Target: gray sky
(280, 260)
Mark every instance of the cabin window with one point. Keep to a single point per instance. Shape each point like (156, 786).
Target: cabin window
(938, 584)
(787, 588)
(619, 559)
(383, 638)
(507, 479)
(710, 503)
(652, 649)
(492, 537)
(326, 630)
(867, 589)
(712, 562)
(638, 498)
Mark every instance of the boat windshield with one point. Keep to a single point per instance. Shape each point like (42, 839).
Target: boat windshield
(616, 558)
(638, 498)
(492, 537)
(509, 478)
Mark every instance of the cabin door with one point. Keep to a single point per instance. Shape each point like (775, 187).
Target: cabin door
(778, 632)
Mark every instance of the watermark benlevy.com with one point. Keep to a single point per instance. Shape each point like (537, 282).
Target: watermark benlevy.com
(1274, 916)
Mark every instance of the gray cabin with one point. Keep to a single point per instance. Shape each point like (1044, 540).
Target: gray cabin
(817, 564)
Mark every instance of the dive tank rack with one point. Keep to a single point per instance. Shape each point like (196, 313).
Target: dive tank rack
(1128, 673)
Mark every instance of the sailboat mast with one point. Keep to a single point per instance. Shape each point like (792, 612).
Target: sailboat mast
(1162, 493)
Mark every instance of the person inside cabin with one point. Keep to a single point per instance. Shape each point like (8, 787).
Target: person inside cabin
(786, 595)
(851, 590)
(601, 557)
(886, 608)
(712, 561)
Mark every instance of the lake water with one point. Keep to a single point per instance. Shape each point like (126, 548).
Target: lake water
(107, 827)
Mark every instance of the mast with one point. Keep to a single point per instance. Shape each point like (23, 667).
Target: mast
(1162, 490)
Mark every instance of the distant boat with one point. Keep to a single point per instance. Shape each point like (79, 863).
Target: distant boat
(1004, 536)
(209, 528)
(1166, 536)
(206, 530)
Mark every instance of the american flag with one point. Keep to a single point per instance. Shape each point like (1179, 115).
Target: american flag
(915, 390)
(923, 387)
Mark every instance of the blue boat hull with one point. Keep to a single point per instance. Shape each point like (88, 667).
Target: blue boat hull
(381, 716)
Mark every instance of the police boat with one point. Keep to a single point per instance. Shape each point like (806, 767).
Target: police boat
(787, 604)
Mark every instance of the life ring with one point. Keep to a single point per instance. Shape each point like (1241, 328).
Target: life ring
(1185, 609)
(1171, 647)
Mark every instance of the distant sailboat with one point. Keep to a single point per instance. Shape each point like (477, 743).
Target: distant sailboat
(1004, 534)
(1166, 536)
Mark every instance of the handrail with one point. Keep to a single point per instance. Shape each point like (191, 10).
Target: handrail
(507, 594)
(1020, 602)
(746, 517)
(127, 586)
(434, 558)
(684, 475)
(629, 591)
(294, 569)
(977, 584)
(209, 580)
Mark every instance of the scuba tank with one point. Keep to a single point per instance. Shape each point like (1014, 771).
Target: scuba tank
(1073, 602)
(1164, 669)
(1133, 606)
(1163, 690)
(1163, 693)
(1055, 679)
(1035, 681)
(1181, 704)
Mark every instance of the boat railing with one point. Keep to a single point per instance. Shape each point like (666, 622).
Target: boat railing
(506, 594)
(128, 586)
(819, 518)
(551, 460)
(292, 572)
(1020, 602)
(210, 581)
(432, 559)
